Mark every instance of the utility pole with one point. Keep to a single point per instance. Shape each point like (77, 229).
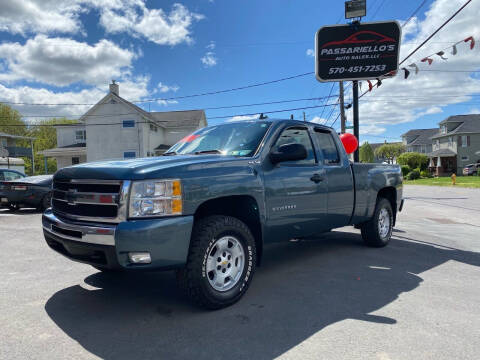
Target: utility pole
(304, 119)
(356, 132)
(342, 109)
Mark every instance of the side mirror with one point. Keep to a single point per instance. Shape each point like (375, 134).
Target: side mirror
(288, 152)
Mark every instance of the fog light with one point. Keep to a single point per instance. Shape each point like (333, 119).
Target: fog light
(139, 257)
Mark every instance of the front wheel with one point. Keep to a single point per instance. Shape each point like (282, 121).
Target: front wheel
(221, 262)
(378, 231)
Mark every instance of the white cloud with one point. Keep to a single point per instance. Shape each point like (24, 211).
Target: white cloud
(430, 111)
(474, 111)
(39, 16)
(131, 89)
(244, 117)
(401, 101)
(211, 46)
(62, 61)
(164, 88)
(318, 120)
(209, 59)
(116, 16)
(155, 25)
(310, 53)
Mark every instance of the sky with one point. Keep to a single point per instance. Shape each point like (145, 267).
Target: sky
(67, 52)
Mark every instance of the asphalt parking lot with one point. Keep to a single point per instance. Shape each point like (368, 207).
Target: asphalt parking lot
(325, 298)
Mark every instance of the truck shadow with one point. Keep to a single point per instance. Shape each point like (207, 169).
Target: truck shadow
(300, 289)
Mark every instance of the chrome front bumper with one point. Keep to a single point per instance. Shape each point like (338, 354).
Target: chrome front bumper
(99, 235)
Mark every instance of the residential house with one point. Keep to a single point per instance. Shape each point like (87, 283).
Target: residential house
(115, 128)
(419, 140)
(10, 152)
(456, 144)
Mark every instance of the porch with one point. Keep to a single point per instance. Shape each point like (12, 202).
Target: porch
(443, 162)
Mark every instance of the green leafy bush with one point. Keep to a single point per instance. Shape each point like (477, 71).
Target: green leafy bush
(425, 174)
(414, 160)
(405, 170)
(478, 172)
(413, 175)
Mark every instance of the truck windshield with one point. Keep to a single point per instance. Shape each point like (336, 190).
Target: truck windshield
(237, 139)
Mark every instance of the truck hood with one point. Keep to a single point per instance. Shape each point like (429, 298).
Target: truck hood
(142, 168)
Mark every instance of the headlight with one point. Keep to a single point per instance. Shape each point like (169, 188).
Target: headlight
(155, 198)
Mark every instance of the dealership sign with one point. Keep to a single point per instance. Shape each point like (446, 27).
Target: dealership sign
(357, 51)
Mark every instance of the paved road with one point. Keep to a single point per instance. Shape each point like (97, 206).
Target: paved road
(328, 298)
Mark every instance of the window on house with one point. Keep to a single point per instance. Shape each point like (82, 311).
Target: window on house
(80, 135)
(75, 160)
(450, 141)
(444, 129)
(464, 141)
(128, 123)
(129, 154)
(153, 128)
(437, 144)
(465, 158)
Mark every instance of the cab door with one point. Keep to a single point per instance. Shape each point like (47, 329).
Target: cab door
(340, 199)
(295, 191)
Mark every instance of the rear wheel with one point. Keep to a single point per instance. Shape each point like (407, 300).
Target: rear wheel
(378, 231)
(13, 207)
(220, 264)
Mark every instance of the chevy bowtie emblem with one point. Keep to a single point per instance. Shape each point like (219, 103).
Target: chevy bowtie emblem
(71, 196)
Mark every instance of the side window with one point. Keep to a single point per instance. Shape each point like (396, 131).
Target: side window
(297, 135)
(10, 175)
(129, 155)
(327, 147)
(128, 123)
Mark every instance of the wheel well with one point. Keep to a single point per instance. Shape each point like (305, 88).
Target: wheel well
(242, 207)
(390, 193)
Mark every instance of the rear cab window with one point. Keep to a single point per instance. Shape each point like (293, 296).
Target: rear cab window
(327, 147)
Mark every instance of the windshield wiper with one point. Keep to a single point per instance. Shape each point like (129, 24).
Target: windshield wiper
(169, 153)
(213, 151)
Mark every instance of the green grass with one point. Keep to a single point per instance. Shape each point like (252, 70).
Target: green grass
(462, 181)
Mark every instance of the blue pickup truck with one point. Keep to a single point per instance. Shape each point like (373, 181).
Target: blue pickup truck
(208, 206)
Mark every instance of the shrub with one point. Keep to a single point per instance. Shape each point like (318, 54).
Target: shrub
(425, 174)
(478, 172)
(413, 175)
(414, 160)
(405, 170)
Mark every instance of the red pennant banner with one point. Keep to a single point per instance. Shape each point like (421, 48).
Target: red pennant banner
(370, 86)
(427, 59)
(472, 42)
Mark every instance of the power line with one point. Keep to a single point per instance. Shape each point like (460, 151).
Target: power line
(414, 13)
(436, 31)
(178, 97)
(145, 122)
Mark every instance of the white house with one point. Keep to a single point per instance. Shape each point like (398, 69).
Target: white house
(115, 128)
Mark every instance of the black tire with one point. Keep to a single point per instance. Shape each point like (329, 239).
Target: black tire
(13, 207)
(193, 278)
(371, 233)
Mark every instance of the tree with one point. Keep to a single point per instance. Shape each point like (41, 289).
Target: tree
(413, 160)
(45, 138)
(366, 153)
(390, 152)
(11, 121)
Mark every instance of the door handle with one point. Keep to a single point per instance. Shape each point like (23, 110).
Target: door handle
(316, 178)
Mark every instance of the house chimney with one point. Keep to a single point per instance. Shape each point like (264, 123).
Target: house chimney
(114, 88)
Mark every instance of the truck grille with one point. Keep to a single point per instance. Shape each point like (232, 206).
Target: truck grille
(97, 200)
